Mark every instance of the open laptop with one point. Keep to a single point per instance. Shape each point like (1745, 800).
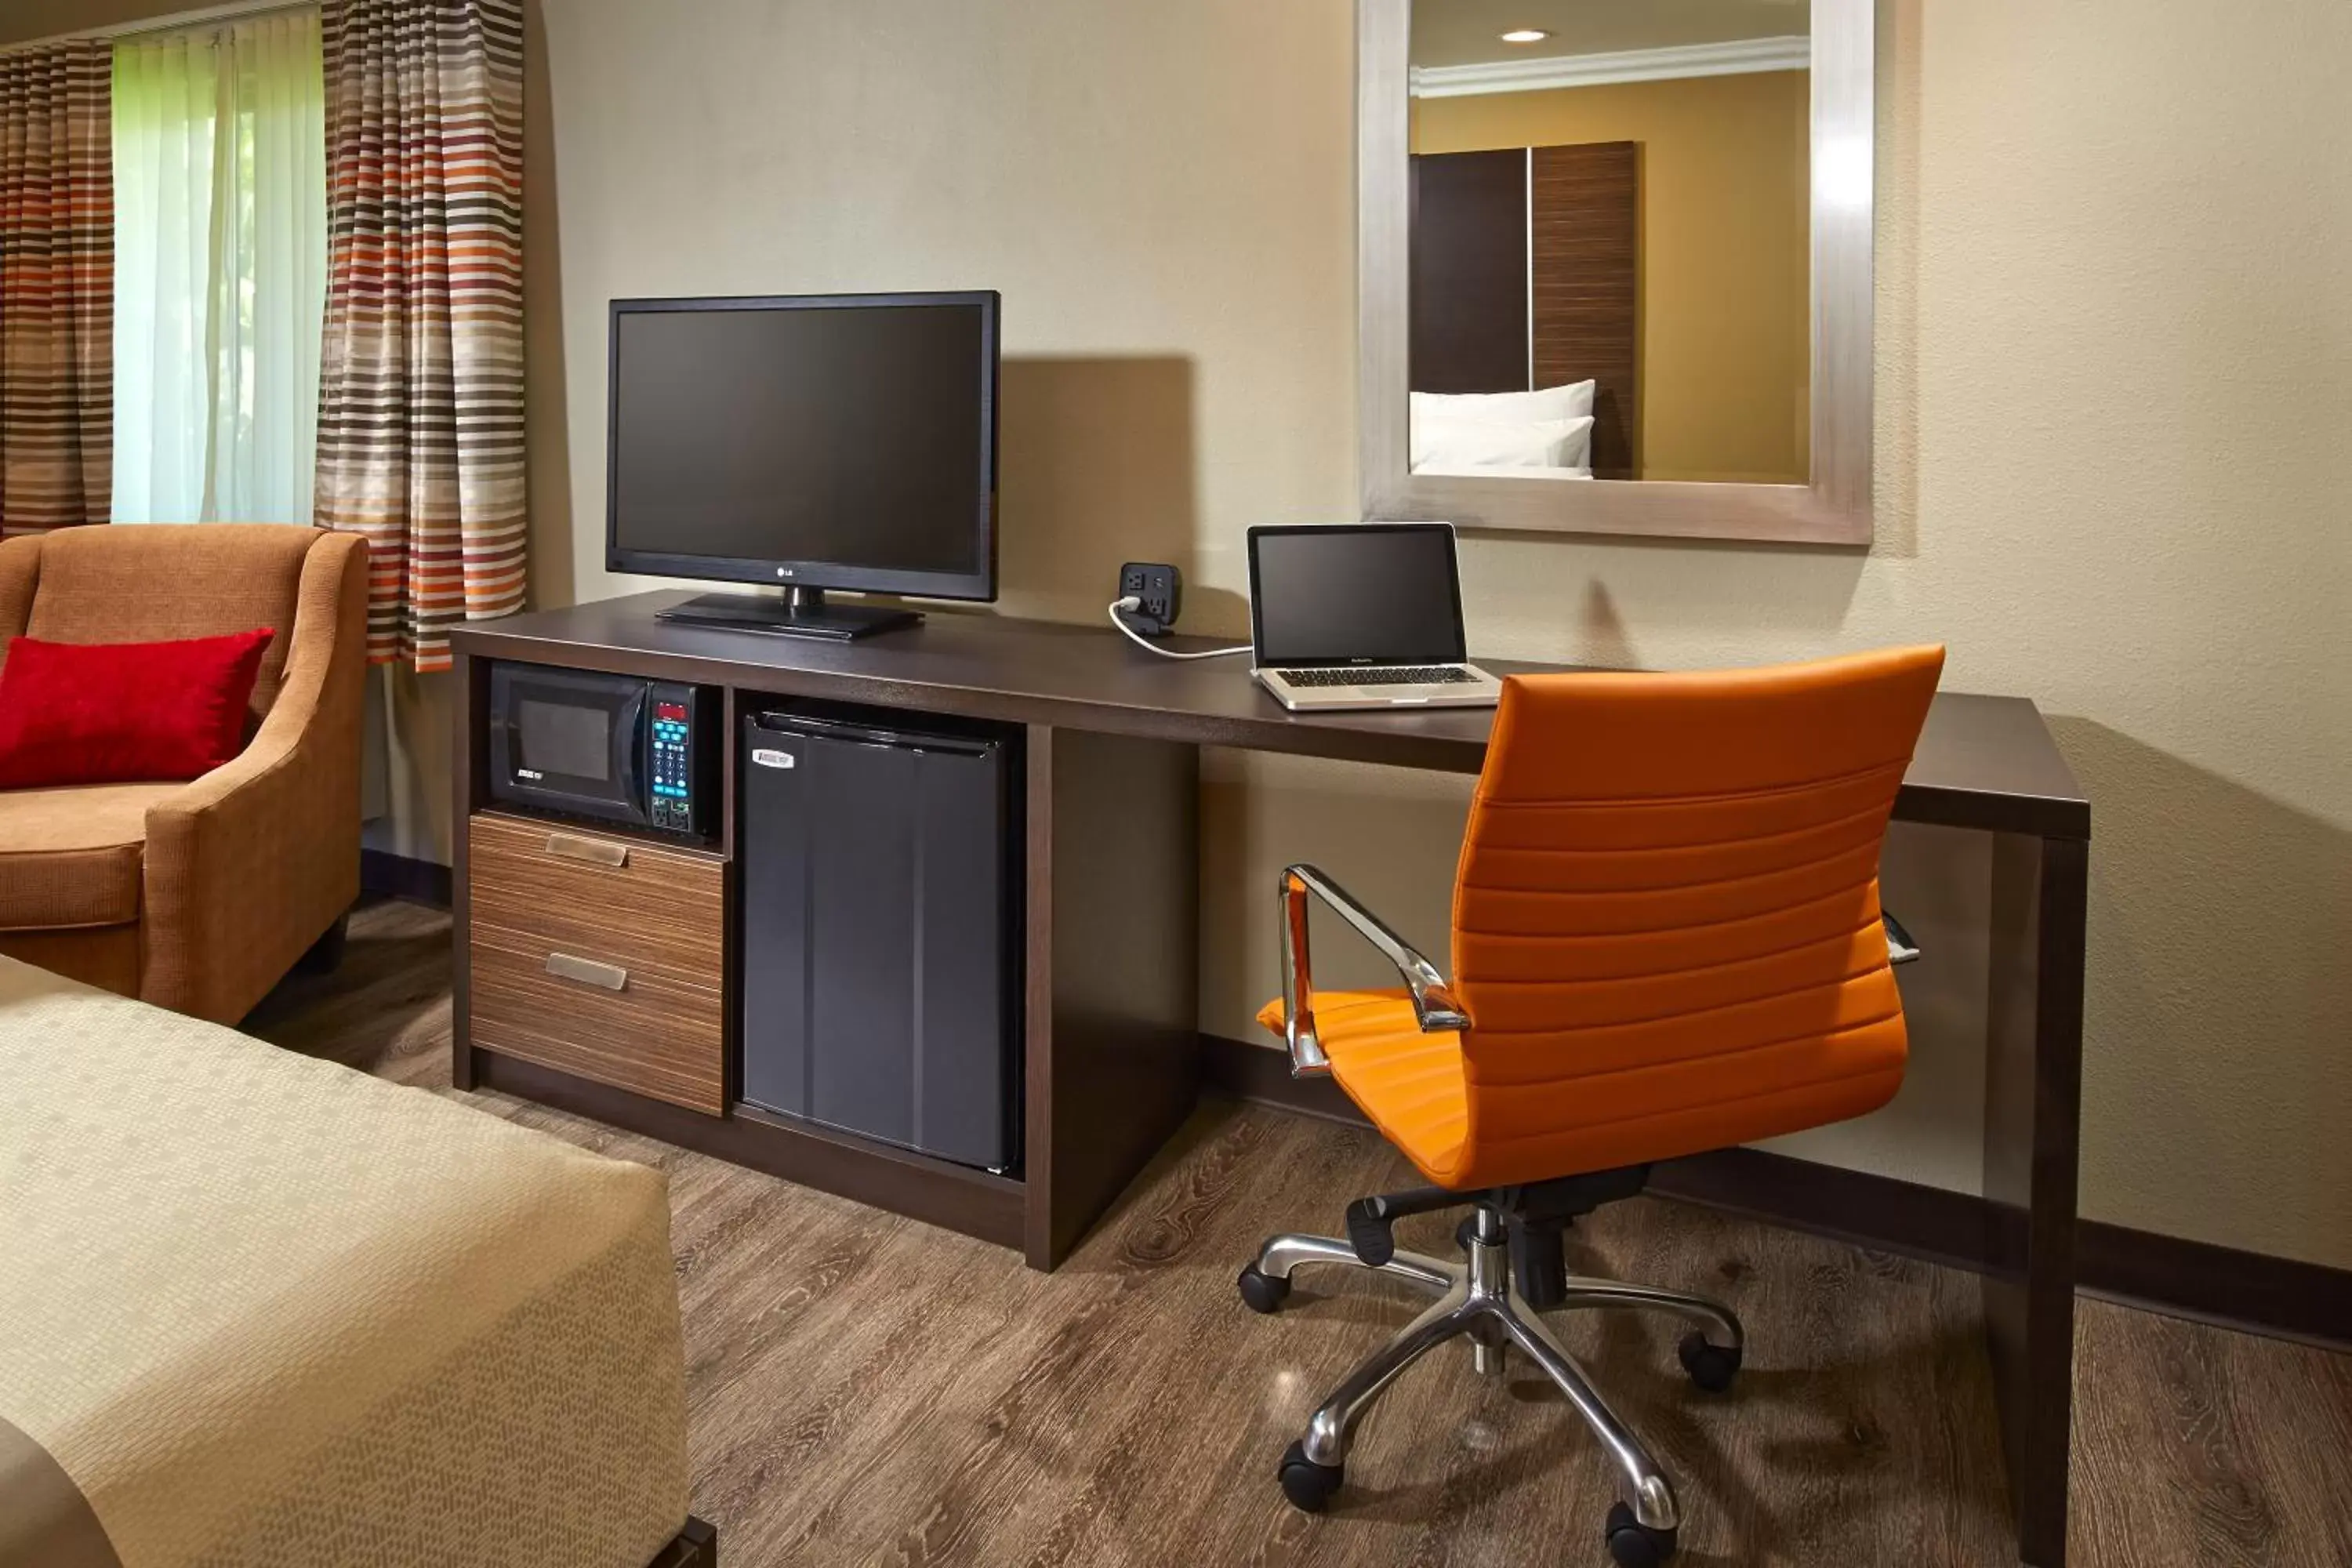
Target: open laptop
(1362, 616)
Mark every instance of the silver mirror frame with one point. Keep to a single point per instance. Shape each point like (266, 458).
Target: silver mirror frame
(1835, 509)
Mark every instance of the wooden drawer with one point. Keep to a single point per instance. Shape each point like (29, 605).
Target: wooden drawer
(659, 911)
(633, 1029)
(599, 957)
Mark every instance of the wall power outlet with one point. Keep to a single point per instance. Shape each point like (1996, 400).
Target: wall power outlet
(1161, 589)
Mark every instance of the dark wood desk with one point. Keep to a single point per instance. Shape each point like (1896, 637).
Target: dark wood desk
(1112, 1050)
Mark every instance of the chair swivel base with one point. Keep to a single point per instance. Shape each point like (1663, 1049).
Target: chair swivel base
(1478, 1299)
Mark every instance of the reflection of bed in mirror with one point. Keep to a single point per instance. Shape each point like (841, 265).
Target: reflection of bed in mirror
(1545, 434)
(1525, 325)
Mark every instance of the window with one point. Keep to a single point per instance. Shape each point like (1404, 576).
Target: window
(220, 201)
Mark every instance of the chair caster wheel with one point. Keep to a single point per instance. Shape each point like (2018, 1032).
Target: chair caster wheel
(1263, 1292)
(1711, 1367)
(1631, 1544)
(1306, 1484)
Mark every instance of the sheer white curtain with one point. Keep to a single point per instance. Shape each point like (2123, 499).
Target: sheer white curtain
(220, 200)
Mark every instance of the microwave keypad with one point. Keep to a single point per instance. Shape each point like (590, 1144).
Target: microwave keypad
(672, 804)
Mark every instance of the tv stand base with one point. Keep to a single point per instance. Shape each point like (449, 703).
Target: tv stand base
(800, 613)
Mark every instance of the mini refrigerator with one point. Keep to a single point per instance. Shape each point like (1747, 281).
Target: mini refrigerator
(881, 933)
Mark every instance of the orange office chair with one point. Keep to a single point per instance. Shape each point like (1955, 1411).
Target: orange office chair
(1666, 939)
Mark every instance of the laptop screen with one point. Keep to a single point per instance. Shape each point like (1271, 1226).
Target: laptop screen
(1375, 594)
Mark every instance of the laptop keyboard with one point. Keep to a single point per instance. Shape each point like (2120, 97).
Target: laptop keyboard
(1381, 675)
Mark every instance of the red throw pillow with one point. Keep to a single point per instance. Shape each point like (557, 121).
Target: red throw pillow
(126, 712)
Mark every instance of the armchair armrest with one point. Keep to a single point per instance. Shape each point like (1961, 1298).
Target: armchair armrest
(1433, 1003)
(247, 865)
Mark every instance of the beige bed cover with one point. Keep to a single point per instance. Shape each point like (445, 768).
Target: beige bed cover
(261, 1310)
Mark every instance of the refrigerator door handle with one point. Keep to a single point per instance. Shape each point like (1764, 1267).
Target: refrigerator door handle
(785, 725)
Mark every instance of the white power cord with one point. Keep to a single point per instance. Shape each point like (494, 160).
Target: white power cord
(1132, 603)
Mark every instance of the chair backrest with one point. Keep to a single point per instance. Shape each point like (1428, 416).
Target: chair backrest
(160, 583)
(1669, 885)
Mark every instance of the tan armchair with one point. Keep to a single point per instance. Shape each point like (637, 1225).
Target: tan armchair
(196, 895)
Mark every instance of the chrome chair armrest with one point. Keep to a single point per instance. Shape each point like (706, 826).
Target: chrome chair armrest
(1433, 1005)
(1900, 948)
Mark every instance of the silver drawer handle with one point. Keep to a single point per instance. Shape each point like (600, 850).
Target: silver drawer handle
(596, 851)
(587, 971)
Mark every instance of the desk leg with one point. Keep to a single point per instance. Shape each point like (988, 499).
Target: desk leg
(1113, 972)
(2033, 1095)
(470, 680)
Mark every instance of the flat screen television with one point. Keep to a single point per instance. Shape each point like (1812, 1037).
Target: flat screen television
(812, 442)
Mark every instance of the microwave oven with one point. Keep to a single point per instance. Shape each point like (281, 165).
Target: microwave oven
(612, 748)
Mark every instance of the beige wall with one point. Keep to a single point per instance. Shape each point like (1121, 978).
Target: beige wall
(1724, 246)
(2115, 376)
(23, 19)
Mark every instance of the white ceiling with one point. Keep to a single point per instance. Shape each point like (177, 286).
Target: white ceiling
(1465, 32)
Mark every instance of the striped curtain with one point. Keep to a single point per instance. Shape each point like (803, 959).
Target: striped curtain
(420, 383)
(57, 287)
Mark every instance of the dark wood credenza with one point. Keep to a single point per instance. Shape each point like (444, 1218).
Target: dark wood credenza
(1113, 1057)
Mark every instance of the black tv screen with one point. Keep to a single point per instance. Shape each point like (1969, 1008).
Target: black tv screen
(836, 441)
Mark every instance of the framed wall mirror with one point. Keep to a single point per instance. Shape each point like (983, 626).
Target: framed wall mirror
(1614, 264)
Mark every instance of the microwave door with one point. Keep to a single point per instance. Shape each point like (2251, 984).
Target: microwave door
(575, 744)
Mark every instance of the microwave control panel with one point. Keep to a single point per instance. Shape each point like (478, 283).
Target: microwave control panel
(671, 734)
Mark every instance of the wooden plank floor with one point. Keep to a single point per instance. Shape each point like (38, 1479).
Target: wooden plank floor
(865, 1389)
